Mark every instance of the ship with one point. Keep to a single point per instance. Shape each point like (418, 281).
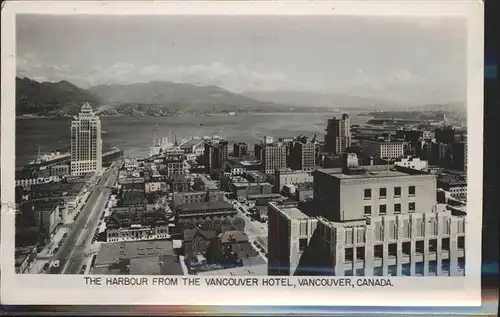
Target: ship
(49, 159)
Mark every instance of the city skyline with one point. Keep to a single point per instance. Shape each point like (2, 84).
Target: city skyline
(418, 59)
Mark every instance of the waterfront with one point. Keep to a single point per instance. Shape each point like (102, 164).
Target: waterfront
(135, 134)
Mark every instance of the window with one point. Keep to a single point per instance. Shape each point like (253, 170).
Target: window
(445, 267)
(378, 251)
(406, 269)
(406, 248)
(392, 270)
(419, 247)
(397, 191)
(397, 208)
(348, 273)
(302, 244)
(368, 193)
(461, 243)
(411, 207)
(461, 264)
(433, 245)
(419, 268)
(445, 244)
(360, 253)
(368, 211)
(378, 271)
(382, 209)
(360, 272)
(349, 254)
(411, 190)
(393, 249)
(382, 192)
(433, 268)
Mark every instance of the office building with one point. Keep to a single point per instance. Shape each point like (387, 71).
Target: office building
(373, 221)
(86, 142)
(291, 234)
(386, 150)
(273, 157)
(303, 155)
(413, 163)
(338, 135)
(240, 149)
(215, 154)
(289, 177)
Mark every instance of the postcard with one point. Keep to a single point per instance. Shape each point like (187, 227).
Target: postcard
(228, 153)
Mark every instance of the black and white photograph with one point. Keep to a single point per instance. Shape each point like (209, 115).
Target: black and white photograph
(255, 145)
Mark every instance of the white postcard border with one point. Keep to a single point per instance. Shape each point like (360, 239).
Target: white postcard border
(408, 291)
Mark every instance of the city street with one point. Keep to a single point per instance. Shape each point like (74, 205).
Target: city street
(256, 231)
(72, 254)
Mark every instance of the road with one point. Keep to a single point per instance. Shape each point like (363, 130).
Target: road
(71, 255)
(255, 230)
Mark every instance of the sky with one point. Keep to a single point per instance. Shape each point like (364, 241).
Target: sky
(417, 58)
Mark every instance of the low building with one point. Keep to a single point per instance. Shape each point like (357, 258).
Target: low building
(180, 199)
(194, 146)
(137, 258)
(132, 225)
(254, 165)
(153, 187)
(180, 184)
(413, 163)
(60, 170)
(386, 150)
(29, 182)
(255, 177)
(304, 192)
(219, 215)
(287, 176)
(455, 184)
(25, 259)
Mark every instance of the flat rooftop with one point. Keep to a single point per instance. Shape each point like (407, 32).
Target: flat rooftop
(292, 212)
(374, 171)
(110, 252)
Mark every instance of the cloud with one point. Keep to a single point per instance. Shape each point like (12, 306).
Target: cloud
(239, 78)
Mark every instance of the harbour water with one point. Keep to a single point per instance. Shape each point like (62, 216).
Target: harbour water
(135, 134)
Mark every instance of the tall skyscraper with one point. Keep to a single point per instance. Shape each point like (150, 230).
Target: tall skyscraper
(273, 157)
(215, 154)
(338, 135)
(303, 155)
(86, 142)
(240, 149)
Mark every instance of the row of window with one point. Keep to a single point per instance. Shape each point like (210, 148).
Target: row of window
(378, 250)
(383, 192)
(392, 270)
(382, 209)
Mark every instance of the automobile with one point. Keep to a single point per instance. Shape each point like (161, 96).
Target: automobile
(46, 266)
(65, 235)
(55, 250)
(60, 243)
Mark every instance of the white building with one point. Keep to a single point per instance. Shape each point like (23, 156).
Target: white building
(413, 163)
(86, 142)
(28, 182)
(386, 150)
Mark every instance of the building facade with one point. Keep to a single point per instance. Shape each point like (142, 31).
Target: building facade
(338, 135)
(273, 157)
(240, 149)
(413, 163)
(303, 155)
(86, 142)
(215, 154)
(289, 177)
(386, 150)
(290, 238)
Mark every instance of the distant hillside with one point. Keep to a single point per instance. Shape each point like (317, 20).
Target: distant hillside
(174, 97)
(455, 107)
(316, 99)
(47, 98)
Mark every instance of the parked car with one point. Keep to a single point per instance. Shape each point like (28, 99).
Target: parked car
(46, 266)
(55, 250)
(65, 235)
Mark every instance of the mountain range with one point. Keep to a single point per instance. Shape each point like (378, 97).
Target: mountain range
(159, 98)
